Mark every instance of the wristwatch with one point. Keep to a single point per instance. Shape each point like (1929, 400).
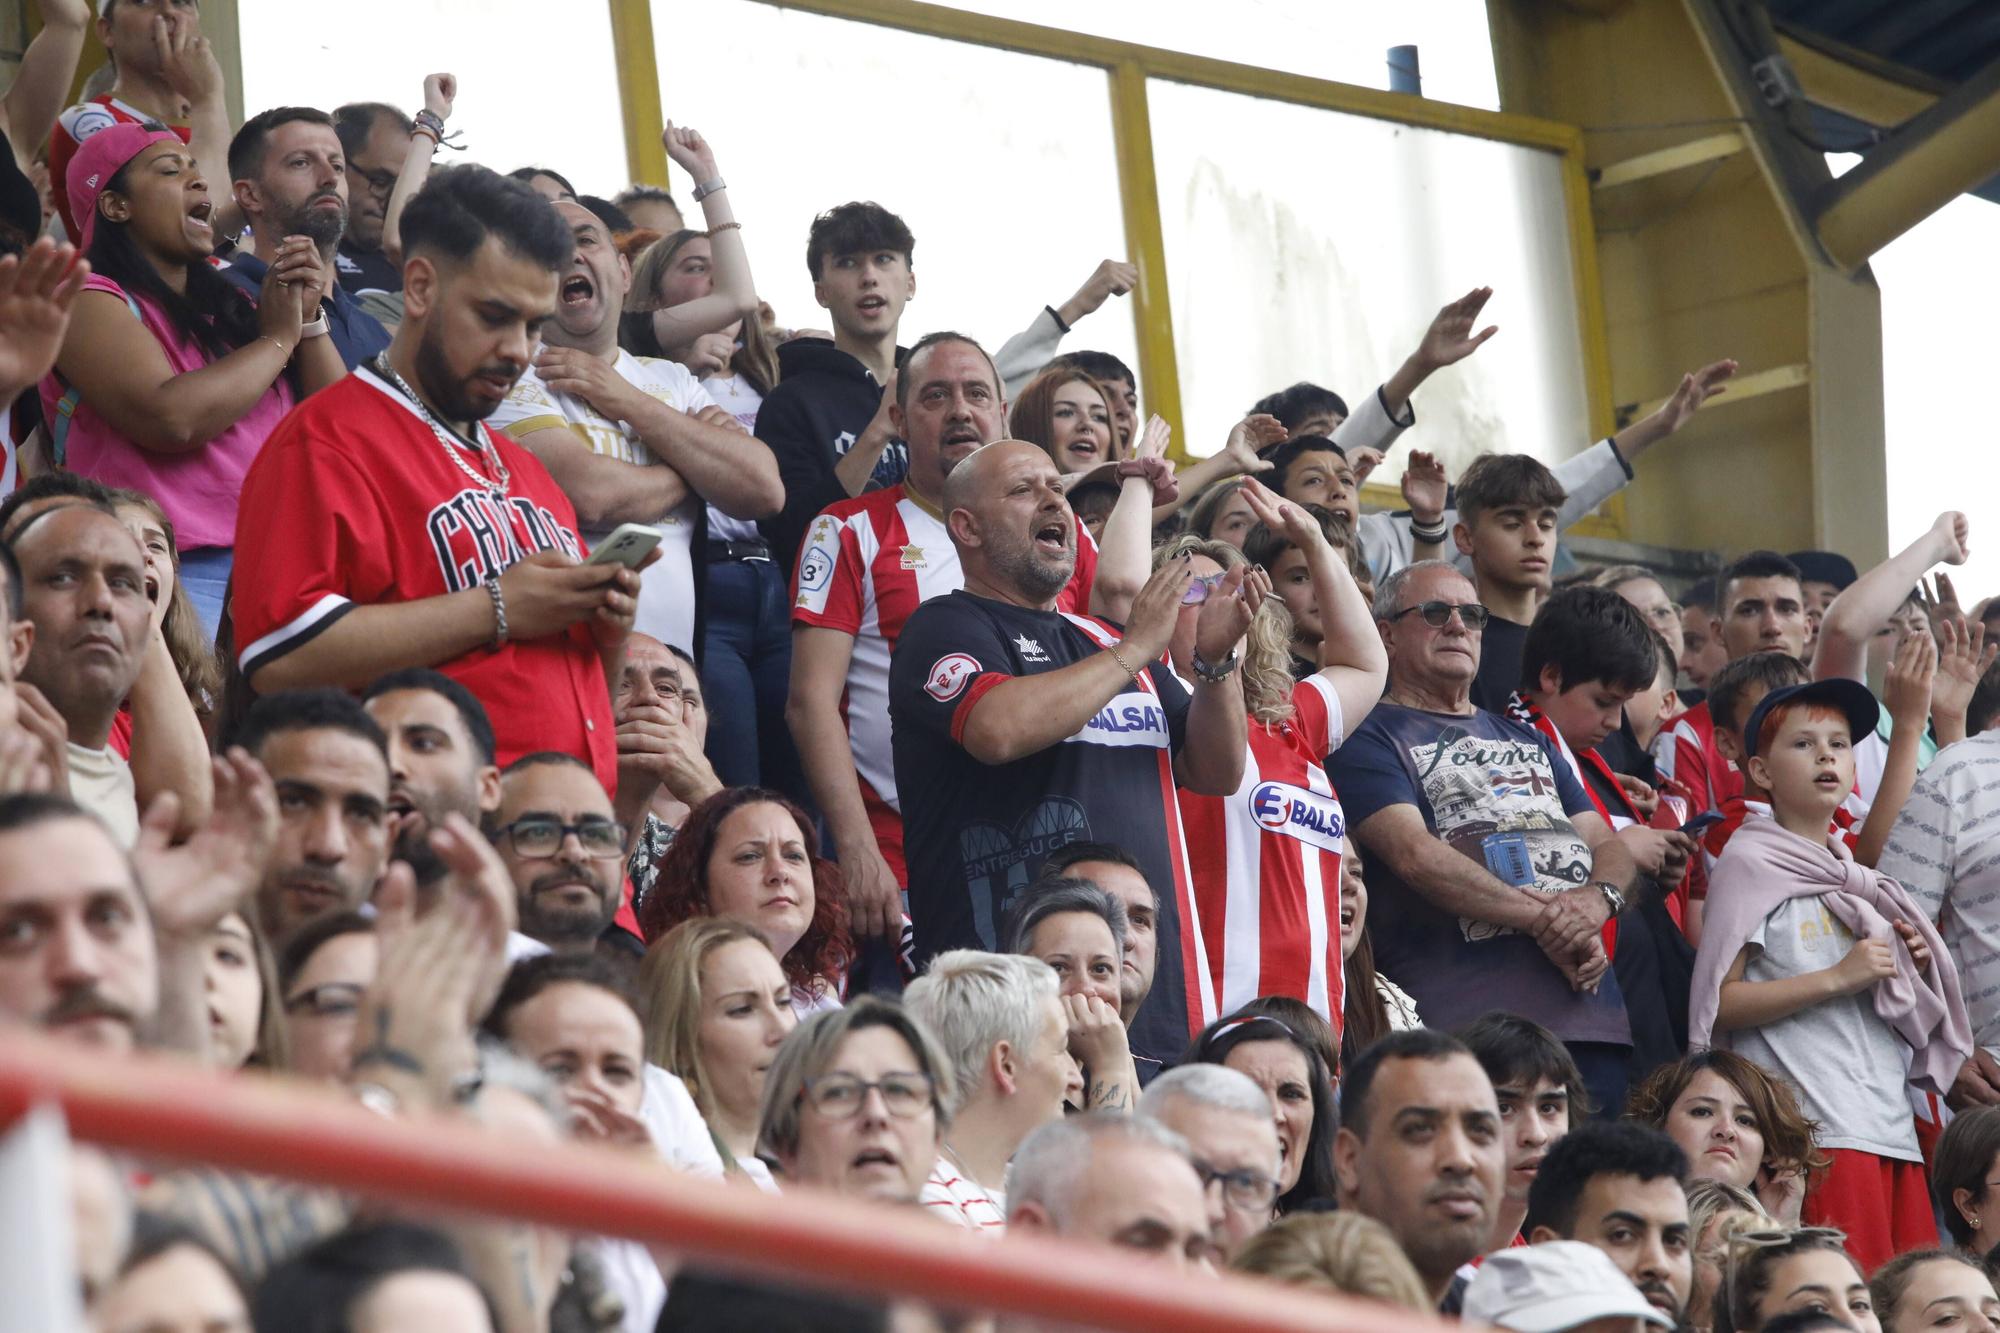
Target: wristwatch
(707, 188)
(316, 329)
(1613, 897)
(1213, 674)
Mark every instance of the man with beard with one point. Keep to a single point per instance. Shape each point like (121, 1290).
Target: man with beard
(867, 564)
(1420, 1149)
(330, 762)
(1619, 1187)
(1018, 727)
(384, 526)
(291, 181)
(632, 439)
(561, 841)
(440, 760)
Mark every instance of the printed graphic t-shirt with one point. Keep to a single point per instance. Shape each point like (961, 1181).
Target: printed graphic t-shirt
(976, 834)
(1493, 790)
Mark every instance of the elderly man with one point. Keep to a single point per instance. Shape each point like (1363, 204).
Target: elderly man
(1419, 1149)
(1115, 1180)
(867, 564)
(1018, 728)
(1005, 1032)
(631, 439)
(1490, 870)
(562, 844)
(1227, 1122)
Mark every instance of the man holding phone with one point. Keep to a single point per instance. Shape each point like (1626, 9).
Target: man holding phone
(632, 440)
(385, 526)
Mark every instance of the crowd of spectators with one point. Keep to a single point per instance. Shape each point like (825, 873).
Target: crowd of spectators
(553, 694)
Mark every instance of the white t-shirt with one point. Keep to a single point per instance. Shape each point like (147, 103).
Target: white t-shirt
(101, 783)
(666, 595)
(738, 397)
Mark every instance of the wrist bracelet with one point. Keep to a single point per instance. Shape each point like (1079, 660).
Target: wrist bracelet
(1117, 657)
(725, 226)
(431, 121)
(419, 132)
(316, 328)
(1433, 536)
(499, 614)
(275, 343)
(707, 188)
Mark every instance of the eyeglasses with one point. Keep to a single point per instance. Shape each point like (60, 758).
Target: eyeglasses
(1244, 1189)
(379, 182)
(1198, 590)
(538, 838)
(839, 1096)
(1438, 614)
(1743, 1241)
(334, 999)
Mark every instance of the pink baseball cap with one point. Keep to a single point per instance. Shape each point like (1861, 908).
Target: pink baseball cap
(97, 160)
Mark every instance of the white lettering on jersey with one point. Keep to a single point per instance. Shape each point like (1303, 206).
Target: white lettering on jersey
(947, 679)
(1134, 718)
(1279, 807)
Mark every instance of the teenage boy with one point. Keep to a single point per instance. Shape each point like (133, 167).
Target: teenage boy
(1587, 654)
(1542, 1098)
(1313, 470)
(1508, 516)
(1829, 974)
(828, 419)
(1702, 653)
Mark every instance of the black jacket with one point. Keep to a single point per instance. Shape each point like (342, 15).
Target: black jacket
(823, 401)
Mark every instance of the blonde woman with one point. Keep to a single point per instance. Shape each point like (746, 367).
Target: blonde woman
(1278, 839)
(1342, 1252)
(717, 1007)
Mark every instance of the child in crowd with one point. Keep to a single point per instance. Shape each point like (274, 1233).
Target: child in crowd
(1827, 974)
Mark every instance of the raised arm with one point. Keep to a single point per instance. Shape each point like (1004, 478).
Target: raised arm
(1865, 605)
(189, 65)
(1238, 456)
(1022, 356)
(41, 83)
(1125, 552)
(38, 294)
(169, 750)
(1906, 689)
(733, 295)
(440, 92)
(1351, 656)
(1218, 740)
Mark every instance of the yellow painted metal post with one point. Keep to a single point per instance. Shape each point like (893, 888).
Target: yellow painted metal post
(1609, 521)
(1146, 248)
(639, 90)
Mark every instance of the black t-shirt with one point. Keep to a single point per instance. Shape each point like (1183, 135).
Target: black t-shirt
(361, 270)
(1499, 664)
(975, 834)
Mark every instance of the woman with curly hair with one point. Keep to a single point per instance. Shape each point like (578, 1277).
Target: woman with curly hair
(752, 856)
(1737, 1124)
(1265, 862)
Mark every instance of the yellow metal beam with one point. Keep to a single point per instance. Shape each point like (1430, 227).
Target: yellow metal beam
(1146, 249)
(1658, 163)
(639, 90)
(1927, 163)
(1741, 388)
(1850, 89)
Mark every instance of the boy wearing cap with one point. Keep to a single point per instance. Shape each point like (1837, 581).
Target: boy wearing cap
(1564, 1286)
(1826, 973)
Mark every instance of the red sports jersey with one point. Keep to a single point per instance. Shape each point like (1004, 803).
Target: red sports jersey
(101, 113)
(1265, 864)
(866, 564)
(354, 502)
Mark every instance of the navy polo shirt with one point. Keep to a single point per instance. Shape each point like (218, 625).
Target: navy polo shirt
(357, 335)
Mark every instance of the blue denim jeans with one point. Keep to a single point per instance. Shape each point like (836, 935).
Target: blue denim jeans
(205, 575)
(746, 672)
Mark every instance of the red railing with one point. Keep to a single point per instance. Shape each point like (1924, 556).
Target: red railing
(169, 1110)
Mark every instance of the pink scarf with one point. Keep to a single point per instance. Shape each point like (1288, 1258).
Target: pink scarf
(1765, 866)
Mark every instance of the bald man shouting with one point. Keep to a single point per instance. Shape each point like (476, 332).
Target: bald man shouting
(1018, 728)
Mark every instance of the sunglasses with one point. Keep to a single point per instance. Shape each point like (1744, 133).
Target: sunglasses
(1438, 614)
(1742, 1242)
(1200, 587)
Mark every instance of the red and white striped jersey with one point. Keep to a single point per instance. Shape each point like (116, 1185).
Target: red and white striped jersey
(1265, 864)
(866, 564)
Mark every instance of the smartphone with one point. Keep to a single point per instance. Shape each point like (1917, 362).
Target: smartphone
(628, 545)
(1702, 822)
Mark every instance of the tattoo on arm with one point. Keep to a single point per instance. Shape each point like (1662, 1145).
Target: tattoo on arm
(1109, 1096)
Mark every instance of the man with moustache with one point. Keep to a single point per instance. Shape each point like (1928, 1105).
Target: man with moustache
(440, 760)
(1620, 1187)
(289, 178)
(1018, 728)
(330, 763)
(562, 844)
(632, 439)
(384, 526)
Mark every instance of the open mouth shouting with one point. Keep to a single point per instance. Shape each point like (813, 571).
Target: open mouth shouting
(1053, 536)
(201, 220)
(577, 290)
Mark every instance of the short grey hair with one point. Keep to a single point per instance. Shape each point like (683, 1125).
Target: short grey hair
(811, 1049)
(1215, 1086)
(1051, 896)
(971, 1001)
(1389, 592)
(1052, 1161)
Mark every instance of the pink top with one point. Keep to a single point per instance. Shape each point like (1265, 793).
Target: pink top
(198, 489)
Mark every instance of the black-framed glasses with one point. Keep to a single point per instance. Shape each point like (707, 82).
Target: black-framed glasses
(1244, 1189)
(838, 1096)
(333, 999)
(1438, 614)
(1742, 1242)
(538, 838)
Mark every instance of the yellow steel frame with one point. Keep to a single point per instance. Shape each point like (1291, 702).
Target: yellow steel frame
(1128, 66)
